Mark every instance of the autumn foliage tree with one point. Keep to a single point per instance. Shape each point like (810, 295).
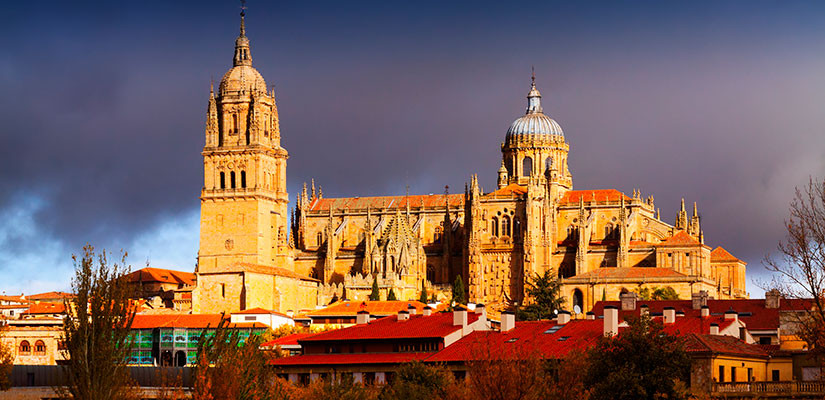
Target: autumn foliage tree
(6, 362)
(642, 362)
(96, 329)
(230, 368)
(800, 266)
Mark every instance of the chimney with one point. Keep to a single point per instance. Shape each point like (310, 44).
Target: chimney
(290, 313)
(670, 315)
(481, 311)
(699, 299)
(508, 321)
(714, 329)
(730, 314)
(590, 315)
(362, 318)
(628, 301)
(403, 315)
(772, 298)
(411, 309)
(611, 321)
(644, 309)
(428, 311)
(705, 312)
(680, 313)
(563, 317)
(460, 316)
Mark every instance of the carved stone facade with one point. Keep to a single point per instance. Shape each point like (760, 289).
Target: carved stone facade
(600, 243)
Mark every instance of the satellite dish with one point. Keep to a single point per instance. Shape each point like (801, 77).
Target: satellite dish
(577, 309)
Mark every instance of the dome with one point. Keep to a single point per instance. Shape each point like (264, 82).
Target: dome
(242, 77)
(534, 121)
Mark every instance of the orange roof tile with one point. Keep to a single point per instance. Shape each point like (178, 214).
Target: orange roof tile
(259, 310)
(46, 308)
(50, 295)
(630, 273)
(351, 308)
(720, 254)
(681, 238)
(723, 344)
(385, 202)
(509, 190)
(574, 196)
(150, 274)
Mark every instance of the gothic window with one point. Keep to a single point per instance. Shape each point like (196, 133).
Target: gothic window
(437, 235)
(505, 225)
(548, 163)
(223, 180)
(609, 231)
(39, 348)
(25, 347)
(494, 227)
(243, 179)
(527, 167)
(234, 124)
(232, 179)
(571, 232)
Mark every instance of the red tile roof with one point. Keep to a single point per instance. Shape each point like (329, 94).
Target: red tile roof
(630, 273)
(681, 238)
(160, 275)
(751, 311)
(526, 338)
(509, 190)
(351, 308)
(437, 325)
(573, 196)
(723, 344)
(721, 255)
(50, 296)
(46, 308)
(350, 358)
(385, 202)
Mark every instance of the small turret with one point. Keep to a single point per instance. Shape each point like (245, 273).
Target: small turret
(502, 175)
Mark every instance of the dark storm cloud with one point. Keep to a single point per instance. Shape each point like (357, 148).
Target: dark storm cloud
(102, 107)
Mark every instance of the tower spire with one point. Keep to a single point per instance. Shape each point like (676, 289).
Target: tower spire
(534, 97)
(242, 54)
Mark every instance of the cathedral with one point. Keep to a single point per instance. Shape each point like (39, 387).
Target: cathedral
(257, 251)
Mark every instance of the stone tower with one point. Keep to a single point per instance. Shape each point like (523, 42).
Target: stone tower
(244, 212)
(535, 149)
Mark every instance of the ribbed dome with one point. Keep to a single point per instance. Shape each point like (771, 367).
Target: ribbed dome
(534, 122)
(242, 77)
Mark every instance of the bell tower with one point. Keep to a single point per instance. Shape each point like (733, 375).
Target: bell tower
(244, 212)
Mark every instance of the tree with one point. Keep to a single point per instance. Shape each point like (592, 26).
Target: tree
(416, 380)
(641, 362)
(423, 297)
(459, 296)
(658, 293)
(6, 362)
(96, 329)
(228, 367)
(800, 268)
(344, 388)
(375, 295)
(391, 295)
(508, 373)
(544, 292)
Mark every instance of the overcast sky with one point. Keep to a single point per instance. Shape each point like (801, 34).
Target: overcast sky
(102, 110)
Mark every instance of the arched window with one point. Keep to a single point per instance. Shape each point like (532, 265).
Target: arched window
(25, 347)
(437, 235)
(494, 226)
(319, 239)
(578, 301)
(232, 179)
(548, 163)
(505, 225)
(223, 180)
(571, 232)
(234, 124)
(223, 290)
(516, 228)
(608, 231)
(243, 179)
(39, 348)
(527, 167)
